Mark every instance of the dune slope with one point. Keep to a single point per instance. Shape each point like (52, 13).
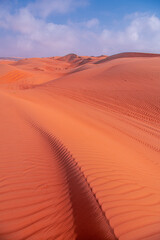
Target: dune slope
(79, 148)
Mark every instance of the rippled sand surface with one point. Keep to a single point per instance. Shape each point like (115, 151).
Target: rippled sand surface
(80, 148)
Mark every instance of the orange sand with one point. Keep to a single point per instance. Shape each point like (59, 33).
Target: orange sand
(79, 148)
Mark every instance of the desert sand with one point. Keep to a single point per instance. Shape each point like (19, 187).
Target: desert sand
(80, 148)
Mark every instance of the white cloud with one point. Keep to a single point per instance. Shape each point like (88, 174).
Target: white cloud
(44, 8)
(154, 23)
(141, 34)
(28, 34)
(94, 22)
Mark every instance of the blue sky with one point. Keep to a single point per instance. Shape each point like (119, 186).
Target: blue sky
(37, 28)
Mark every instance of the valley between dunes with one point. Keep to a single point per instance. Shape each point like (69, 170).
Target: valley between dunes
(80, 148)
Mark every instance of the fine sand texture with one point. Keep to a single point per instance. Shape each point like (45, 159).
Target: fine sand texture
(80, 148)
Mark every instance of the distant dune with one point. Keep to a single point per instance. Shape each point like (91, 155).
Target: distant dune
(11, 58)
(80, 147)
(128, 55)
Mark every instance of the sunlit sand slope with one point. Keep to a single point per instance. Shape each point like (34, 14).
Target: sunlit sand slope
(79, 154)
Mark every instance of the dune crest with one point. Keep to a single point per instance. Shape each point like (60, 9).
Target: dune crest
(79, 147)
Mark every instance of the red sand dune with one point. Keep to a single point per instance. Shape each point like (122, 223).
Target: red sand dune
(79, 148)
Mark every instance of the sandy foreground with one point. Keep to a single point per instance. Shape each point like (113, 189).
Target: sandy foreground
(80, 148)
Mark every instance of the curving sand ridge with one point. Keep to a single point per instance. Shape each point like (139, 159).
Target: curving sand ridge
(79, 152)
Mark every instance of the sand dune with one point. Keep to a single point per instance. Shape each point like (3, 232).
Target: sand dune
(127, 55)
(79, 148)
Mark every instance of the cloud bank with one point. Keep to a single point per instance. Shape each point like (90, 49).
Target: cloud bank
(28, 33)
